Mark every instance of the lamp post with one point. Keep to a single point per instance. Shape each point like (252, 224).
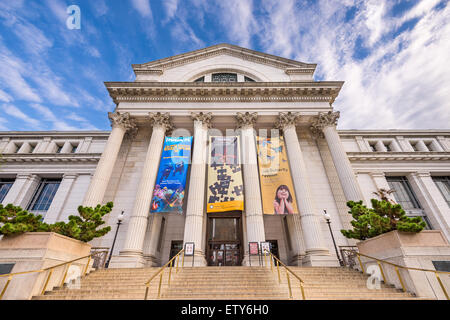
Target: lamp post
(328, 220)
(119, 222)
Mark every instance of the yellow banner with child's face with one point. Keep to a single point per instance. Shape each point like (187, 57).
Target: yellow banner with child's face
(277, 189)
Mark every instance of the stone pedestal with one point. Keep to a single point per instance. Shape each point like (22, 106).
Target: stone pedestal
(414, 250)
(35, 251)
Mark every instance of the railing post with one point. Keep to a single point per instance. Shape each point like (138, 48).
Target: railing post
(278, 269)
(46, 282)
(87, 266)
(5, 287)
(65, 275)
(178, 258)
(146, 291)
(360, 263)
(303, 290)
(159, 286)
(170, 271)
(289, 284)
(442, 286)
(400, 278)
(382, 272)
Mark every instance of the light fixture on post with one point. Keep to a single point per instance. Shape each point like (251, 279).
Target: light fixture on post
(328, 220)
(119, 222)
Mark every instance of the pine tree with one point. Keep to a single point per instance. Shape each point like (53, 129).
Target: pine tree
(385, 216)
(84, 226)
(14, 220)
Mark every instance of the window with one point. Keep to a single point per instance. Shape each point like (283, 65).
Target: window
(443, 184)
(44, 195)
(202, 79)
(175, 247)
(161, 234)
(405, 197)
(5, 185)
(247, 79)
(224, 77)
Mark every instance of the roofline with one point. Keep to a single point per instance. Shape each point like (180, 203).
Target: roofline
(224, 45)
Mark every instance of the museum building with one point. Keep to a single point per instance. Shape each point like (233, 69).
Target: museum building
(235, 96)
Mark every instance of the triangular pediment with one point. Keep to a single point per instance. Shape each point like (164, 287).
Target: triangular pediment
(224, 49)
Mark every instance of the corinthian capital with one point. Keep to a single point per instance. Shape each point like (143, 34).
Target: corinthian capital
(325, 119)
(122, 120)
(246, 119)
(161, 119)
(205, 118)
(286, 119)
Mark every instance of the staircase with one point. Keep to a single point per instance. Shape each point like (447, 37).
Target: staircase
(226, 283)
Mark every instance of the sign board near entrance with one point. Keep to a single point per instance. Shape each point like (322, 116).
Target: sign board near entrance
(265, 247)
(189, 248)
(253, 248)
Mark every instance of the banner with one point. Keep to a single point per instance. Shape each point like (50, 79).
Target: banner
(170, 183)
(225, 187)
(277, 189)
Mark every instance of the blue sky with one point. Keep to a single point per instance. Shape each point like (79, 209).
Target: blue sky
(394, 56)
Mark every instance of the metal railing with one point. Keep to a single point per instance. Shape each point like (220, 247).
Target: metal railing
(160, 272)
(277, 262)
(49, 270)
(380, 262)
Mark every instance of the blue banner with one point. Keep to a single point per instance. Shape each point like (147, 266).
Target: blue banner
(170, 183)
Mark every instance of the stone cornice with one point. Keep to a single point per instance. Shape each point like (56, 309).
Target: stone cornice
(398, 156)
(231, 50)
(51, 157)
(223, 92)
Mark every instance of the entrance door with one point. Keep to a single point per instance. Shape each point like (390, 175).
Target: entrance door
(224, 241)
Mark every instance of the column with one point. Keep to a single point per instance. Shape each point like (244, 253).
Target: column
(60, 198)
(22, 190)
(432, 201)
(120, 123)
(325, 125)
(131, 255)
(193, 228)
(252, 195)
(316, 252)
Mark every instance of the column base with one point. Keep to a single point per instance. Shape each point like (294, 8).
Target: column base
(319, 261)
(128, 261)
(297, 260)
(254, 262)
(198, 259)
(152, 261)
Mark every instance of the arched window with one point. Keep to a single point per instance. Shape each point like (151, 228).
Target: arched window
(201, 79)
(247, 79)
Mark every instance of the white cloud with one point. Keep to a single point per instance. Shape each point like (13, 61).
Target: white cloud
(17, 113)
(143, 7)
(3, 127)
(5, 97)
(171, 8)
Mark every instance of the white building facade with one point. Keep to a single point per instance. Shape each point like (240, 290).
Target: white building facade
(207, 92)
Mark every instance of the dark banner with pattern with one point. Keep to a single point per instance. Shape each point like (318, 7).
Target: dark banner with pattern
(225, 187)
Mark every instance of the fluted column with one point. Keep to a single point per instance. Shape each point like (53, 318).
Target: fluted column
(325, 126)
(252, 199)
(193, 228)
(137, 224)
(120, 123)
(315, 248)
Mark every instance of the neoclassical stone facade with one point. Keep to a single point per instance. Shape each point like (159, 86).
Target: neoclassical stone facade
(227, 90)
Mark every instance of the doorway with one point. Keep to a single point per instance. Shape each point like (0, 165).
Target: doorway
(224, 240)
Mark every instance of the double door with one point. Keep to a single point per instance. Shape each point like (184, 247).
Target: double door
(224, 240)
